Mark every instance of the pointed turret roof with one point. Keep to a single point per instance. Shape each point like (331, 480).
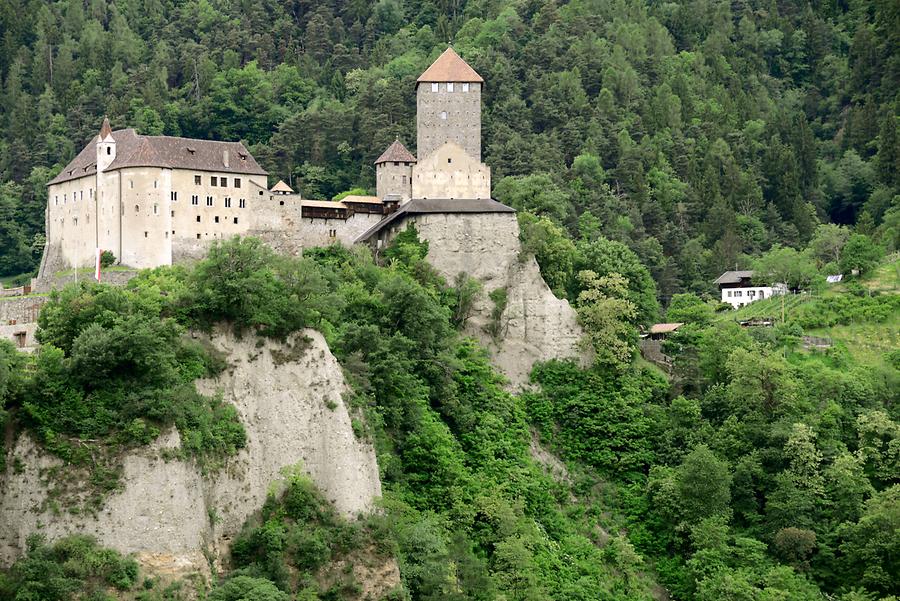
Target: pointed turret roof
(281, 187)
(105, 129)
(449, 66)
(396, 152)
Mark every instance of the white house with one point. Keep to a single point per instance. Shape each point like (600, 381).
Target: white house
(737, 288)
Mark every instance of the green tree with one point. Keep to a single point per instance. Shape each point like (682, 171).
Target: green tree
(859, 254)
(605, 312)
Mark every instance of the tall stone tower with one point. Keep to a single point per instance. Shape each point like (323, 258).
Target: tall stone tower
(393, 172)
(448, 106)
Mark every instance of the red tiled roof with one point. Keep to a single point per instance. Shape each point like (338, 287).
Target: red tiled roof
(449, 66)
(396, 152)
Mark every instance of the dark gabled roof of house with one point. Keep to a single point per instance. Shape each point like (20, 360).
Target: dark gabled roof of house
(449, 67)
(396, 152)
(733, 277)
(420, 206)
(135, 150)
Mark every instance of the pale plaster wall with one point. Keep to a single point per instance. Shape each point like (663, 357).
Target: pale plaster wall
(445, 115)
(71, 216)
(391, 178)
(146, 220)
(163, 512)
(449, 172)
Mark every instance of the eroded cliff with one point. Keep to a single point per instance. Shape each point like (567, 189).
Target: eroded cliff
(177, 520)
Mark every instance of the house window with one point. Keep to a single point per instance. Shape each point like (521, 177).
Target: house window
(729, 294)
(235, 220)
(396, 163)
(195, 200)
(173, 195)
(465, 87)
(213, 181)
(197, 180)
(450, 87)
(404, 180)
(434, 87)
(209, 201)
(227, 203)
(242, 204)
(237, 182)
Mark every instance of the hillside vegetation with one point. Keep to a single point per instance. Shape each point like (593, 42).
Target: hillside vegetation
(762, 471)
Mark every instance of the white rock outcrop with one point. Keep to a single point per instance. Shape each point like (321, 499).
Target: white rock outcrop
(175, 519)
(535, 325)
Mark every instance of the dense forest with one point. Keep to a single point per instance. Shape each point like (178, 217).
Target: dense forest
(697, 133)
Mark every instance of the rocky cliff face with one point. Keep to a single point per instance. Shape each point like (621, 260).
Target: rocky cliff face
(176, 519)
(534, 325)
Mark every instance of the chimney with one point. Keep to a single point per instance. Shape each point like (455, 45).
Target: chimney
(225, 158)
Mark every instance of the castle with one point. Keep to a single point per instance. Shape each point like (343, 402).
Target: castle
(158, 200)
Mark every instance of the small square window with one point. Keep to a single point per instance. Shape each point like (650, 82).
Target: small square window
(216, 218)
(235, 220)
(465, 87)
(237, 182)
(434, 87)
(198, 236)
(213, 181)
(197, 180)
(450, 86)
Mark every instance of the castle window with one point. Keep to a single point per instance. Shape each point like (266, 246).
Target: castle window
(227, 203)
(404, 180)
(213, 180)
(434, 87)
(195, 200)
(235, 220)
(131, 184)
(167, 235)
(64, 199)
(450, 86)
(145, 234)
(465, 87)
(197, 180)
(173, 213)
(281, 202)
(156, 209)
(449, 160)
(444, 115)
(109, 150)
(81, 194)
(198, 218)
(242, 204)
(56, 200)
(137, 208)
(237, 182)
(260, 192)
(198, 236)
(209, 201)
(173, 195)
(217, 219)
(154, 184)
(90, 192)
(74, 220)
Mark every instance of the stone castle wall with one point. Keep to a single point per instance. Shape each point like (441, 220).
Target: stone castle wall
(444, 115)
(535, 325)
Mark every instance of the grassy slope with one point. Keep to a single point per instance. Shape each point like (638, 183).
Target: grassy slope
(867, 342)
